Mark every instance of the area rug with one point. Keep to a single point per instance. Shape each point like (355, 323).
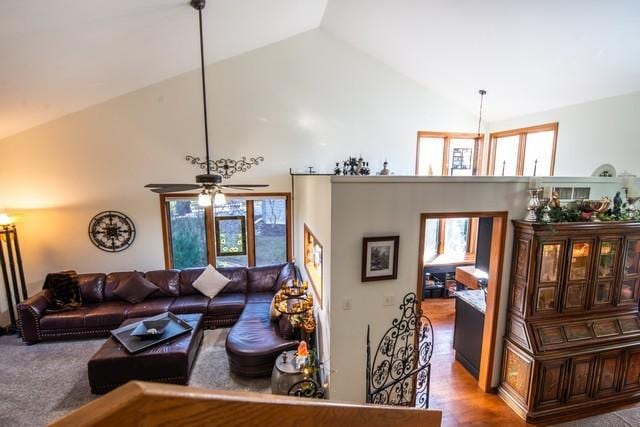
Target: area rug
(623, 418)
(41, 382)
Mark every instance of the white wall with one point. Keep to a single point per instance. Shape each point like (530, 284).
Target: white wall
(379, 206)
(312, 206)
(308, 100)
(590, 134)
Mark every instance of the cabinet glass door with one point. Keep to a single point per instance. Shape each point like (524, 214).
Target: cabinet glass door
(606, 271)
(632, 258)
(579, 272)
(628, 292)
(580, 256)
(550, 262)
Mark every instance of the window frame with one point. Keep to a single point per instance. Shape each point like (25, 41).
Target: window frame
(522, 145)
(210, 225)
(448, 136)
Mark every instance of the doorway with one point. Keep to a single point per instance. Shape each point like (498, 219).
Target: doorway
(461, 253)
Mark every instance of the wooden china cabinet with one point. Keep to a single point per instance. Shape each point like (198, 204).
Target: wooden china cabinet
(572, 340)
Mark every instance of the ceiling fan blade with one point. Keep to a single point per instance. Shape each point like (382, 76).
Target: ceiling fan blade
(244, 185)
(183, 186)
(175, 188)
(234, 187)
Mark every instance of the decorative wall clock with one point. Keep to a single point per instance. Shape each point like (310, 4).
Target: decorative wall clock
(112, 231)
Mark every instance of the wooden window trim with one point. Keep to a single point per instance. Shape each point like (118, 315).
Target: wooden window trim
(210, 229)
(522, 145)
(447, 136)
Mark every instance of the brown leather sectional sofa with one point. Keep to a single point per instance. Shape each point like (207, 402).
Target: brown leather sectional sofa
(252, 344)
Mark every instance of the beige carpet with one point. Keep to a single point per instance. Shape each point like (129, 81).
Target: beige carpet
(623, 418)
(42, 382)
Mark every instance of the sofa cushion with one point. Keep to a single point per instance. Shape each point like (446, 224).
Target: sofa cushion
(150, 307)
(210, 282)
(263, 279)
(190, 304)
(226, 304)
(187, 277)
(238, 280)
(73, 319)
(112, 281)
(260, 298)
(135, 289)
(107, 314)
(167, 281)
(92, 287)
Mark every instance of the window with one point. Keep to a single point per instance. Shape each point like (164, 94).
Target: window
(449, 240)
(523, 152)
(444, 153)
(249, 230)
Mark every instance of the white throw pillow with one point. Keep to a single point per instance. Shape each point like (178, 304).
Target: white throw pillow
(210, 282)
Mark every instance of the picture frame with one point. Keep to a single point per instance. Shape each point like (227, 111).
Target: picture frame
(380, 258)
(313, 261)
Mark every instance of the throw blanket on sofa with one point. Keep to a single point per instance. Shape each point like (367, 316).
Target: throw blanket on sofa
(65, 289)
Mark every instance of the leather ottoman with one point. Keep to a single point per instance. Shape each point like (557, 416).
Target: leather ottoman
(168, 362)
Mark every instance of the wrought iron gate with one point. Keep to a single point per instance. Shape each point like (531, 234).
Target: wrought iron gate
(400, 372)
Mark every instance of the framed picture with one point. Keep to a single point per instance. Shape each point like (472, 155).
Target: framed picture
(380, 258)
(313, 257)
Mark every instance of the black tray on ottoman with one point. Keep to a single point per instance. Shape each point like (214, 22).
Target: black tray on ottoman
(129, 334)
(169, 362)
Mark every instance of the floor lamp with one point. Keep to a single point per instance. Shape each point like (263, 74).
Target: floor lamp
(11, 263)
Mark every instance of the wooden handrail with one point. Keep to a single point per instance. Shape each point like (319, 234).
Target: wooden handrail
(152, 404)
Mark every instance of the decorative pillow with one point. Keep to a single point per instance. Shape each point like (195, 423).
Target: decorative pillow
(210, 282)
(135, 289)
(273, 313)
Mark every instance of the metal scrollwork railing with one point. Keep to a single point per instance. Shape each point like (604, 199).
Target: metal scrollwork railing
(400, 372)
(226, 167)
(307, 388)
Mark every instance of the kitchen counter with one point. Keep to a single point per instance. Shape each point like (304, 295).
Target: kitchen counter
(467, 334)
(474, 298)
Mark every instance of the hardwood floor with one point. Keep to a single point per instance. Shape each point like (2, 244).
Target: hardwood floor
(453, 389)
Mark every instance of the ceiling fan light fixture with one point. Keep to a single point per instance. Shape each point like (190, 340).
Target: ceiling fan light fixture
(204, 199)
(219, 199)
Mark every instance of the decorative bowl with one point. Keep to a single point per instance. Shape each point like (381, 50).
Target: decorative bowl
(594, 205)
(150, 328)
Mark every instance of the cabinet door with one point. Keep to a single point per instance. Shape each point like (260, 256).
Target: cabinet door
(578, 275)
(608, 252)
(580, 377)
(608, 373)
(549, 276)
(628, 291)
(631, 375)
(550, 382)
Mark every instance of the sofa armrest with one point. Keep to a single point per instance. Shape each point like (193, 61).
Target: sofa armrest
(30, 311)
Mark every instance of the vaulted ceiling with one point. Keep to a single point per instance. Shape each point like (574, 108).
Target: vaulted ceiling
(60, 56)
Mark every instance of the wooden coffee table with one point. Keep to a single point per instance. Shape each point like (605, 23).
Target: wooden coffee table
(168, 362)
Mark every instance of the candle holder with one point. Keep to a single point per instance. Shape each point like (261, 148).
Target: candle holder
(546, 208)
(534, 203)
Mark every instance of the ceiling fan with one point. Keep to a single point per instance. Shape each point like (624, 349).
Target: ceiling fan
(210, 184)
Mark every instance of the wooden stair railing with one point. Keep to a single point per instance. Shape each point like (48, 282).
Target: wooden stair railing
(153, 404)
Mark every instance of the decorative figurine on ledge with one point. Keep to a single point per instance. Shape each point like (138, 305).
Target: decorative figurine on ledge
(617, 203)
(353, 166)
(385, 169)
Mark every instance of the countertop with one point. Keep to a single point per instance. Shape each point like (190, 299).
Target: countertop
(475, 298)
